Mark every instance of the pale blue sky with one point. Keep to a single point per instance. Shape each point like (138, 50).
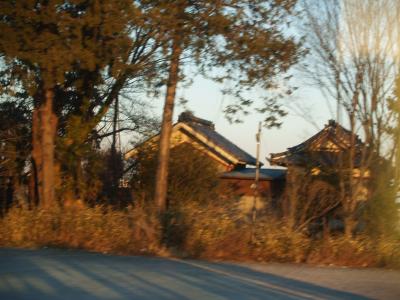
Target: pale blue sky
(206, 101)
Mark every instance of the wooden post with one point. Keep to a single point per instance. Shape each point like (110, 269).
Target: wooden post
(256, 188)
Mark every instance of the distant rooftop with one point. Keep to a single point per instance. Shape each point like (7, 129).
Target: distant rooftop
(321, 149)
(190, 118)
(203, 132)
(207, 129)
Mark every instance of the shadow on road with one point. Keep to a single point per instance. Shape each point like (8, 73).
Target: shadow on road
(64, 274)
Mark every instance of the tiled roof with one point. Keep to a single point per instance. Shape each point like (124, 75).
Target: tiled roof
(206, 130)
(211, 135)
(303, 154)
(333, 131)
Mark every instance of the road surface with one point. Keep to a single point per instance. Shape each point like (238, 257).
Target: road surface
(77, 275)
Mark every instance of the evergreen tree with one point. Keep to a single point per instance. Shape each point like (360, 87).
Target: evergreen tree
(41, 43)
(14, 151)
(242, 41)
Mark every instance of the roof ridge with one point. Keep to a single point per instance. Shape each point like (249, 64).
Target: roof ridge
(189, 117)
(242, 153)
(331, 129)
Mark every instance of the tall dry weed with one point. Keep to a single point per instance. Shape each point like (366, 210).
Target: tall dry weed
(92, 228)
(207, 231)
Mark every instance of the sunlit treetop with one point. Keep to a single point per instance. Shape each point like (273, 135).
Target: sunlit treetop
(43, 40)
(243, 42)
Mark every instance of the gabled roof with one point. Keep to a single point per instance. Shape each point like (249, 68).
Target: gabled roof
(203, 132)
(322, 148)
(220, 141)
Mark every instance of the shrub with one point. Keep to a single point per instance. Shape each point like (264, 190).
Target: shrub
(98, 228)
(219, 231)
(358, 251)
(193, 176)
(210, 231)
(216, 231)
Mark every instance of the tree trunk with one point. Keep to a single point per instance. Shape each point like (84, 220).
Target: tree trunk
(161, 184)
(44, 126)
(349, 226)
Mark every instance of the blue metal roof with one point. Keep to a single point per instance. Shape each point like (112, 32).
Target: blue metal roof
(250, 173)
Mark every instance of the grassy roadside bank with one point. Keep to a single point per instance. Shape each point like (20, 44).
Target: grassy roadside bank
(195, 231)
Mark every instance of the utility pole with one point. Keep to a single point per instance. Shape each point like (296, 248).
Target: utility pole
(256, 180)
(114, 153)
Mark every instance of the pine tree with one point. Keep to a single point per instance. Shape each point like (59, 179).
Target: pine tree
(242, 40)
(41, 43)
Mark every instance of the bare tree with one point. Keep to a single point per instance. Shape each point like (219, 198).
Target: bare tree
(394, 131)
(354, 59)
(307, 198)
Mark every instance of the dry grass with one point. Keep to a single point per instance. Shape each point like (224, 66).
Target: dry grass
(98, 229)
(192, 230)
(215, 232)
(360, 251)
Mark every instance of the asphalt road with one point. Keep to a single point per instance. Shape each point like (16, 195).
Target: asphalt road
(77, 275)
